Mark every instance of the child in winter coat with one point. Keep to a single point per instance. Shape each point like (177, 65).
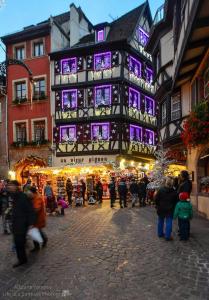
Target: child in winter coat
(184, 213)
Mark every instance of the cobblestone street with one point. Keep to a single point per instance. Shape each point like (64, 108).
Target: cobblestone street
(102, 253)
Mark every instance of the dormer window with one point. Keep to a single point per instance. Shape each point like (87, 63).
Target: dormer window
(142, 37)
(100, 35)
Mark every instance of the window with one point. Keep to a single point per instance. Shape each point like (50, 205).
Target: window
(142, 37)
(135, 133)
(69, 66)
(67, 133)
(39, 131)
(149, 75)
(21, 132)
(175, 106)
(102, 95)
(164, 113)
(100, 131)
(134, 66)
(100, 35)
(38, 49)
(102, 61)
(20, 52)
(149, 106)
(149, 137)
(69, 99)
(20, 90)
(39, 89)
(134, 98)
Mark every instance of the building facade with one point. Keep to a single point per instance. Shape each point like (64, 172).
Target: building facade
(104, 106)
(3, 140)
(179, 45)
(29, 88)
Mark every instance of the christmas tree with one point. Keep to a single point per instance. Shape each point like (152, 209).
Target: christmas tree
(160, 168)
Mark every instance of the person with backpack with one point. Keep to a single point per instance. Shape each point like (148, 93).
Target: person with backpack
(122, 191)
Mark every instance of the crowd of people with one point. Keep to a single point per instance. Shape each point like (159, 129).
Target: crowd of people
(23, 208)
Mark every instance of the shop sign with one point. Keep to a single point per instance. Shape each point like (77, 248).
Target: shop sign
(177, 155)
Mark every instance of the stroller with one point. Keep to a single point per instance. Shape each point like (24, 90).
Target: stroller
(78, 199)
(92, 199)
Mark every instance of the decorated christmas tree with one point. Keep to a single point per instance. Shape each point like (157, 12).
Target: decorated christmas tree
(160, 168)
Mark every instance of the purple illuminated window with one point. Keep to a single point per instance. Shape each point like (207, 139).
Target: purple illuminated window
(142, 37)
(149, 106)
(69, 99)
(100, 131)
(149, 137)
(102, 95)
(135, 133)
(134, 66)
(100, 35)
(102, 61)
(149, 75)
(134, 98)
(67, 133)
(69, 66)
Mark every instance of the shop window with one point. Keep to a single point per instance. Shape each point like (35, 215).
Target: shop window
(38, 48)
(134, 66)
(69, 99)
(39, 131)
(149, 75)
(163, 114)
(21, 132)
(69, 66)
(103, 95)
(68, 133)
(39, 89)
(20, 52)
(134, 98)
(149, 106)
(142, 37)
(102, 61)
(149, 137)
(100, 35)
(176, 107)
(100, 131)
(135, 133)
(20, 90)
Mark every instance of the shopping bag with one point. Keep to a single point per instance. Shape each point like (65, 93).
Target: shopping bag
(35, 235)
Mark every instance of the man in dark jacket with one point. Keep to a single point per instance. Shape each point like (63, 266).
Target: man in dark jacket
(69, 190)
(23, 218)
(185, 185)
(5, 210)
(134, 191)
(112, 190)
(166, 199)
(122, 191)
(142, 192)
(99, 190)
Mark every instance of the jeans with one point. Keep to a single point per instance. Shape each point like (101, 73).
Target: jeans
(168, 227)
(184, 229)
(123, 200)
(112, 198)
(134, 198)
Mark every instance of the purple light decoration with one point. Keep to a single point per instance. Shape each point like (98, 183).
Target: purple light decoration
(67, 133)
(69, 65)
(149, 136)
(149, 75)
(100, 35)
(143, 36)
(135, 133)
(100, 88)
(136, 95)
(100, 128)
(71, 92)
(103, 57)
(150, 106)
(135, 66)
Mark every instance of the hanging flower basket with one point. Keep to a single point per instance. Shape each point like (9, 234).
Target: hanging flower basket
(196, 127)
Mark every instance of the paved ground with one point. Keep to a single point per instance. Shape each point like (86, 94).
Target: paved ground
(102, 253)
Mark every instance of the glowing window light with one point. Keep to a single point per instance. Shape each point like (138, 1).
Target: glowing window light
(149, 137)
(68, 133)
(149, 106)
(100, 35)
(69, 99)
(135, 133)
(100, 131)
(143, 36)
(102, 95)
(102, 61)
(69, 66)
(135, 66)
(134, 98)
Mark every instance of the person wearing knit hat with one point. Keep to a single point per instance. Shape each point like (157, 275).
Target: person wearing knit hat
(184, 213)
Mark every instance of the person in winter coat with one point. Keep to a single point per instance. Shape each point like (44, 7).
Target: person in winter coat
(27, 186)
(122, 191)
(40, 210)
(6, 210)
(184, 213)
(112, 190)
(23, 218)
(166, 199)
(134, 191)
(83, 190)
(142, 191)
(99, 190)
(50, 199)
(69, 190)
(185, 183)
